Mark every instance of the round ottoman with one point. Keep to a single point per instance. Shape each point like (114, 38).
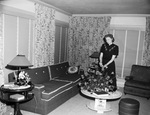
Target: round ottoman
(128, 106)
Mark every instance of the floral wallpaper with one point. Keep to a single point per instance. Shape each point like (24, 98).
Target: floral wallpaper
(146, 55)
(44, 35)
(3, 106)
(85, 37)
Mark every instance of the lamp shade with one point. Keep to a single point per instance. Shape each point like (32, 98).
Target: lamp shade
(94, 55)
(20, 61)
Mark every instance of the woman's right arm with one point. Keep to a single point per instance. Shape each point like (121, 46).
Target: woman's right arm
(101, 59)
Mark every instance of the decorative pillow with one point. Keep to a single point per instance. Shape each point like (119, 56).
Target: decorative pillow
(73, 69)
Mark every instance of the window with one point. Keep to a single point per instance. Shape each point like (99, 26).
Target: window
(61, 41)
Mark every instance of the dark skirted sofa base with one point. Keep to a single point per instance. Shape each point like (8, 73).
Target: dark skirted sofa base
(53, 86)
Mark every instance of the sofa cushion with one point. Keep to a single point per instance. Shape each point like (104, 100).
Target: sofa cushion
(138, 84)
(59, 69)
(54, 87)
(74, 78)
(38, 75)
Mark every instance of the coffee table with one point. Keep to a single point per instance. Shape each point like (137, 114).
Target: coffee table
(102, 99)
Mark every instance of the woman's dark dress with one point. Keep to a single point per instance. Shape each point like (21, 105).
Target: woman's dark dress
(108, 51)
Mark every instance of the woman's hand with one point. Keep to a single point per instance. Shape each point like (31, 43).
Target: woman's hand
(105, 66)
(101, 65)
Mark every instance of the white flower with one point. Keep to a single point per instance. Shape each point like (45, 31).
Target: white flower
(23, 78)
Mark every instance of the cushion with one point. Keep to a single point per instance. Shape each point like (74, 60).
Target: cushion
(38, 75)
(74, 78)
(73, 69)
(138, 84)
(58, 70)
(54, 88)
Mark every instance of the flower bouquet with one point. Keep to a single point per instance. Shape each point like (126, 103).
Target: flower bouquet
(96, 82)
(22, 79)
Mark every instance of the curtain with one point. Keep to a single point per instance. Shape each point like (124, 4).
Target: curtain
(44, 35)
(146, 55)
(85, 37)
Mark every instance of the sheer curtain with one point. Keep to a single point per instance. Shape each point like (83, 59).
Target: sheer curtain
(44, 35)
(86, 36)
(146, 55)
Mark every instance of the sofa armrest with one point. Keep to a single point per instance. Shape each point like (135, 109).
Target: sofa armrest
(129, 78)
(39, 86)
(38, 89)
(11, 77)
(81, 72)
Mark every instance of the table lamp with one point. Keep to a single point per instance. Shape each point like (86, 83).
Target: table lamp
(19, 62)
(94, 55)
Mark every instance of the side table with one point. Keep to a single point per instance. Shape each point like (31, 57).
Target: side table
(6, 92)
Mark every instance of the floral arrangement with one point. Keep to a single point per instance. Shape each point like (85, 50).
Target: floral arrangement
(96, 81)
(22, 79)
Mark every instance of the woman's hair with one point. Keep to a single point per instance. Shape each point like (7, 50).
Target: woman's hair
(108, 35)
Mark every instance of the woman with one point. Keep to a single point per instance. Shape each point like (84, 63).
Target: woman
(108, 53)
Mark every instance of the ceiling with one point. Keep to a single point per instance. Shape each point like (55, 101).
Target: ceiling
(102, 6)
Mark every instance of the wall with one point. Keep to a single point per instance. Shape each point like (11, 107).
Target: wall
(18, 17)
(1, 51)
(28, 6)
(18, 22)
(129, 34)
(20, 4)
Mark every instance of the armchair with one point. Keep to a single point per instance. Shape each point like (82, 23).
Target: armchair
(138, 82)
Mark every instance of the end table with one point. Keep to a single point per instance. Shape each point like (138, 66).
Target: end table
(6, 92)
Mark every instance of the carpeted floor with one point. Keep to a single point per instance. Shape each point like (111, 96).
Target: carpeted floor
(77, 106)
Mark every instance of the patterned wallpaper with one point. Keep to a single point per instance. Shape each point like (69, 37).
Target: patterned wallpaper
(1, 49)
(85, 37)
(44, 34)
(146, 55)
(3, 107)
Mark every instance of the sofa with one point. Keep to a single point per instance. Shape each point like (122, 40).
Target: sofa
(138, 82)
(53, 85)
